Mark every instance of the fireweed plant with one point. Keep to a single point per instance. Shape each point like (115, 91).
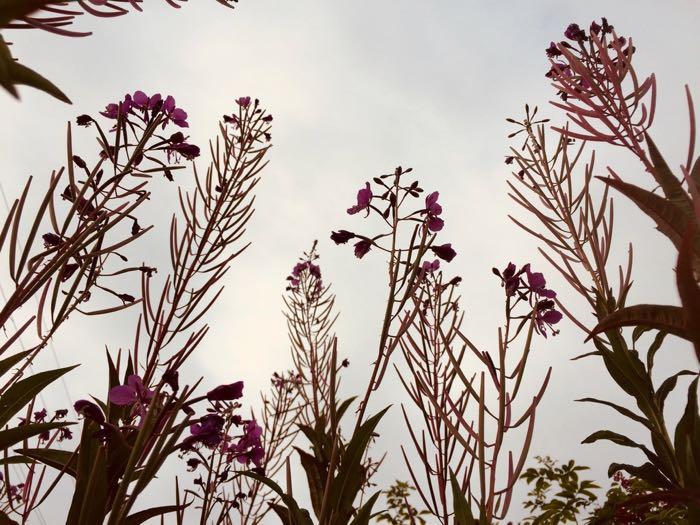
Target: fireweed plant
(476, 412)
(89, 214)
(409, 236)
(605, 101)
(459, 455)
(338, 469)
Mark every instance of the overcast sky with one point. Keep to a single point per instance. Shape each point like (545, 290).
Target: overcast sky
(356, 89)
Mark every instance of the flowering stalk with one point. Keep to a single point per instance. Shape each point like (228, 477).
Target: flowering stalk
(404, 262)
(280, 414)
(459, 453)
(215, 216)
(310, 319)
(606, 103)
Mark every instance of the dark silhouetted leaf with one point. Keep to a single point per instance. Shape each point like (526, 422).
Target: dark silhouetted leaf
(647, 472)
(7, 363)
(58, 459)
(12, 436)
(669, 319)
(364, 513)
(462, 509)
(687, 437)
(23, 391)
(140, 517)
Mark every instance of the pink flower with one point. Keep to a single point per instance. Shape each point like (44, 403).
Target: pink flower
(364, 197)
(546, 316)
(133, 391)
(432, 210)
(362, 247)
(445, 252)
(430, 267)
(172, 113)
(341, 236)
(226, 392)
(536, 282)
(244, 102)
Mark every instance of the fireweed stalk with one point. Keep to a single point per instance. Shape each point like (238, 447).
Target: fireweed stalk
(280, 415)
(309, 309)
(605, 102)
(459, 455)
(338, 468)
(88, 215)
(394, 194)
(126, 440)
(215, 214)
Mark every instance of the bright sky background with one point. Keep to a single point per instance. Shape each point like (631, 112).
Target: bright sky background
(357, 88)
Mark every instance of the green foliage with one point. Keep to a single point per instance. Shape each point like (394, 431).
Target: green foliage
(399, 511)
(13, 74)
(620, 505)
(558, 494)
(336, 473)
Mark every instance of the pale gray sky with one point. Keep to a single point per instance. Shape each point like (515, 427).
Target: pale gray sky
(357, 88)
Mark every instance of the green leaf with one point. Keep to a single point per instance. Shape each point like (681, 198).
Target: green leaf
(15, 460)
(5, 519)
(53, 457)
(12, 436)
(671, 319)
(653, 348)
(622, 410)
(647, 472)
(282, 513)
(688, 289)
(342, 408)
(668, 385)
(12, 10)
(671, 186)
(299, 516)
(21, 74)
(624, 441)
(687, 437)
(7, 363)
(669, 218)
(23, 391)
(364, 513)
(316, 478)
(12, 73)
(140, 517)
(87, 455)
(348, 480)
(462, 509)
(638, 332)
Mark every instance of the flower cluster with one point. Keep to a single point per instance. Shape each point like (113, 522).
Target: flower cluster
(600, 91)
(526, 285)
(212, 430)
(148, 107)
(306, 277)
(393, 196)
(290, 381)
(141, 111)
(247, 104)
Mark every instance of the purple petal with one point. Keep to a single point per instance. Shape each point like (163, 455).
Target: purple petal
(435, 224)
(122, 395)
(551, 317)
